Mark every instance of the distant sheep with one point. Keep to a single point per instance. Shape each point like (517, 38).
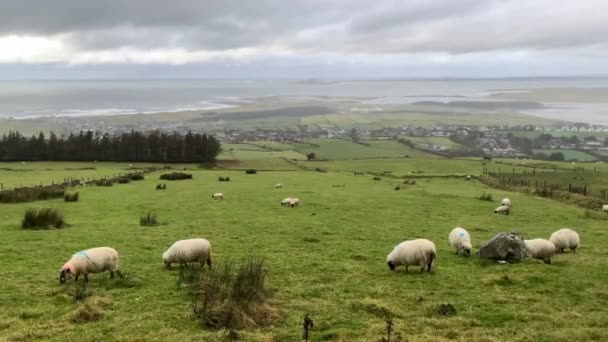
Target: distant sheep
(506, 201)
(278, 186)
(460, 240)
(503, 209)
(565, 238)
(286, 202)
(605, 208)
(218, 195)
(541, 249)
(468, 177)
(420, 252)
(94, 260)
(185, 251)
(295, 202)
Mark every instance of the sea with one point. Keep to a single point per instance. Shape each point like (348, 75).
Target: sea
(55, 98)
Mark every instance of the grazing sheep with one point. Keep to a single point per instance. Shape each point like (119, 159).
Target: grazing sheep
(503, 209)
(294, 202)
(506, 201)
(413, 252)
(468, 177)
(185, 251)
(286, 202)
(565, 238)
(218, 195)
(94, 260)
(460, 240)
(278, 186)
(541, 249)
(605, 208)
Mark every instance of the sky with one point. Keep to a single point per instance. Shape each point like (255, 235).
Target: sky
(307, 39)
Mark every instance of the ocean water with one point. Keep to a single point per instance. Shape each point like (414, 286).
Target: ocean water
(29, 99)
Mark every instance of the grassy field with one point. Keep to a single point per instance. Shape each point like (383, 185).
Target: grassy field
(570, 154)
(326, 258)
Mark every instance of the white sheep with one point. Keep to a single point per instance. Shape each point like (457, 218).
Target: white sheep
(94, 260)
(541, 249)
(218, 195)
(286, 202)
(413, 252)
(506, 201)
(278, 186)
(190, 250)
(565, 238)
(294, 202)
(460, 240)
(605, 208)
(503, 209)
(468, 177)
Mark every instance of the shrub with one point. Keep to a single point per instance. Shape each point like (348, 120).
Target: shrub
(485, 197)
(251, 171)
(136, 176)
(397, 187)
(224, 298)
(124, 180)
(71, 197)
(148, 219)
(45, 218)
(223, 179)
(176, 176)
(105, 182)
(31, 194)
(376, 178)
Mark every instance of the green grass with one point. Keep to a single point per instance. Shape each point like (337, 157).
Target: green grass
(340, 149)
(326, 258)
(570, 154)
(428, 142)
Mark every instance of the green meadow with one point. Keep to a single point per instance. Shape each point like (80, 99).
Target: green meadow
(326, 258)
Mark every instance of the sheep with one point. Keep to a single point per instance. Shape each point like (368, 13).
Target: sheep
(190, 250)
(605, 208)
(294, 202)
(460, 240)
(94, 260)
(541, 249)
(565, 238)
(218, 195)
(503, 209)
(412, 252)
(278, 186)
(506, 201)
(286, 202)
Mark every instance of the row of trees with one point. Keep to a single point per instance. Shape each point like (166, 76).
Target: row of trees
(133, 146)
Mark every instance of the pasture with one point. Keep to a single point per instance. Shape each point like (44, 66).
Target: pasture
(325, 258)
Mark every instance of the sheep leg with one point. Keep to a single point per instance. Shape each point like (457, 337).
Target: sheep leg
(76, 279)
(548, 261)
(111, 275)
(86, 278)
(573, 250)
(429, 267)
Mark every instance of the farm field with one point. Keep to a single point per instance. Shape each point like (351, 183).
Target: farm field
(326, 258)
(570, 155)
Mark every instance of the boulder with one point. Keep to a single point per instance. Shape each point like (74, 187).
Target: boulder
(507, 246)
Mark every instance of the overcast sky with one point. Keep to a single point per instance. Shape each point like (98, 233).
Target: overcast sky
(302, 38)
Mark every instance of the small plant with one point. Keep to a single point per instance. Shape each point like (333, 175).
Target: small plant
(376, 178)
(136, 176)
(485, 197)
(409, 182)
(308, 324)
(161, 186)
(223, 179)
(251, 171)
(397, 188)
(71, 197)
(176, 176)
(45, 218)
(149, 219)
(446, 310)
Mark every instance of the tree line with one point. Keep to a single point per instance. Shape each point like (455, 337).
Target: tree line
(131, 146)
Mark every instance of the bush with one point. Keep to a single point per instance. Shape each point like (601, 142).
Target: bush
(31, 194)
(45, 218)
(397, 187)
(227, 299)
(376, 178)
(251, 172)
(124, 180)
(149, 219)
(161, 186)
(176, 176)
(485, 197)
(71, 197)
(105, 182)
(224, 179)
(136, 176)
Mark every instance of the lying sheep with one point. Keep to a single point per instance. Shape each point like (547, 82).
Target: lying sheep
(460, 240)
(506, 201)
(413, 252)
(94, 260)
(185, 251)
(278, 186)
(605, 208)
(565, 238)
(294, 202)
(503, 209)
(541, 249)
(286, 202)
(217, 195)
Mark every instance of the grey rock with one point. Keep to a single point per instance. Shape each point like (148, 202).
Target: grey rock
(507, 246)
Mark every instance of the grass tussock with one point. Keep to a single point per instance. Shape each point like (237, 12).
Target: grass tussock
(376, 178)
(234, 297)
(71, 197)
(93, 310)
(104, 182)
(38, 193)
(409, 182)
(251, 171)
(485, 197)
(223, 179)
(136, 176)
(149, 219)
(45, 218)
(176, 176)
(161, 186)
(124, 180)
